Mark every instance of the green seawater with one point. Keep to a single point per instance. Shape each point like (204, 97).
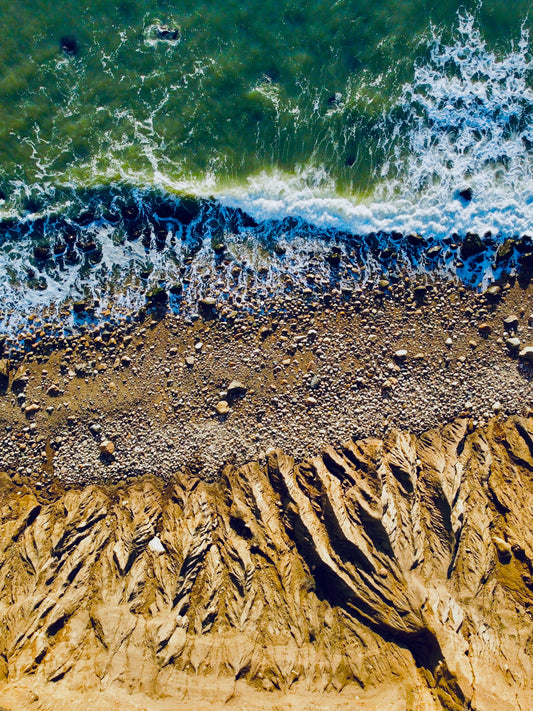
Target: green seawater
(246, 87)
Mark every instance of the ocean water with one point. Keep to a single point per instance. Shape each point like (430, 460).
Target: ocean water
(137, 136)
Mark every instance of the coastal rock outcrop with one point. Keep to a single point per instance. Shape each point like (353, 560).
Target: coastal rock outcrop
(394, 573)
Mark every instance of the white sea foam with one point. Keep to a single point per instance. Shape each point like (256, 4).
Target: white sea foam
(465, 120)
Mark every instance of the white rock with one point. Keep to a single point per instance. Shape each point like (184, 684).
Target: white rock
(513, 344)
(401, 354)
(156, 546)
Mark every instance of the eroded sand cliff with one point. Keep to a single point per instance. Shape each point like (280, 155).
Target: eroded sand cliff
(391, 574)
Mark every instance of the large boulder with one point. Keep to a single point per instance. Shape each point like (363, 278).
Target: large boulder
(472, 245)
(513, 344)
(208, 307)
(527, 354)
(510, 323)
(236, 389)
(20, 380)
(4, 373)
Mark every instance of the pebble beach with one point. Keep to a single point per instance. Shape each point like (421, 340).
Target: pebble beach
(168, 392)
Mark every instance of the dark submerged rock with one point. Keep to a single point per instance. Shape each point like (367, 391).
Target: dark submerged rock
(70, 234)
(160, 232)
(130, 213)
(334, 257)
(186, 211)
(88, 245)
(472, 245)
(466, 194)
(69, 45)
(133, 232)
(524, 244)
(112, 218)
(243, 220)
(505, 250)
(167, 34)
(416, 240)
(146, 237)
(165, 210)
(433, 252)
(387, 253)
(71, 256)
(526, 262)
(86, 218)
(79, 307)
(157, 297)
(59, 248)
(41, 252)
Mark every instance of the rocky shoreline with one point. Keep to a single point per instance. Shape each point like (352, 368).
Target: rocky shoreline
(167, 392)
(116, 248)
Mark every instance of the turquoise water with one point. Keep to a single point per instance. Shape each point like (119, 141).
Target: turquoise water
(354, 116)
